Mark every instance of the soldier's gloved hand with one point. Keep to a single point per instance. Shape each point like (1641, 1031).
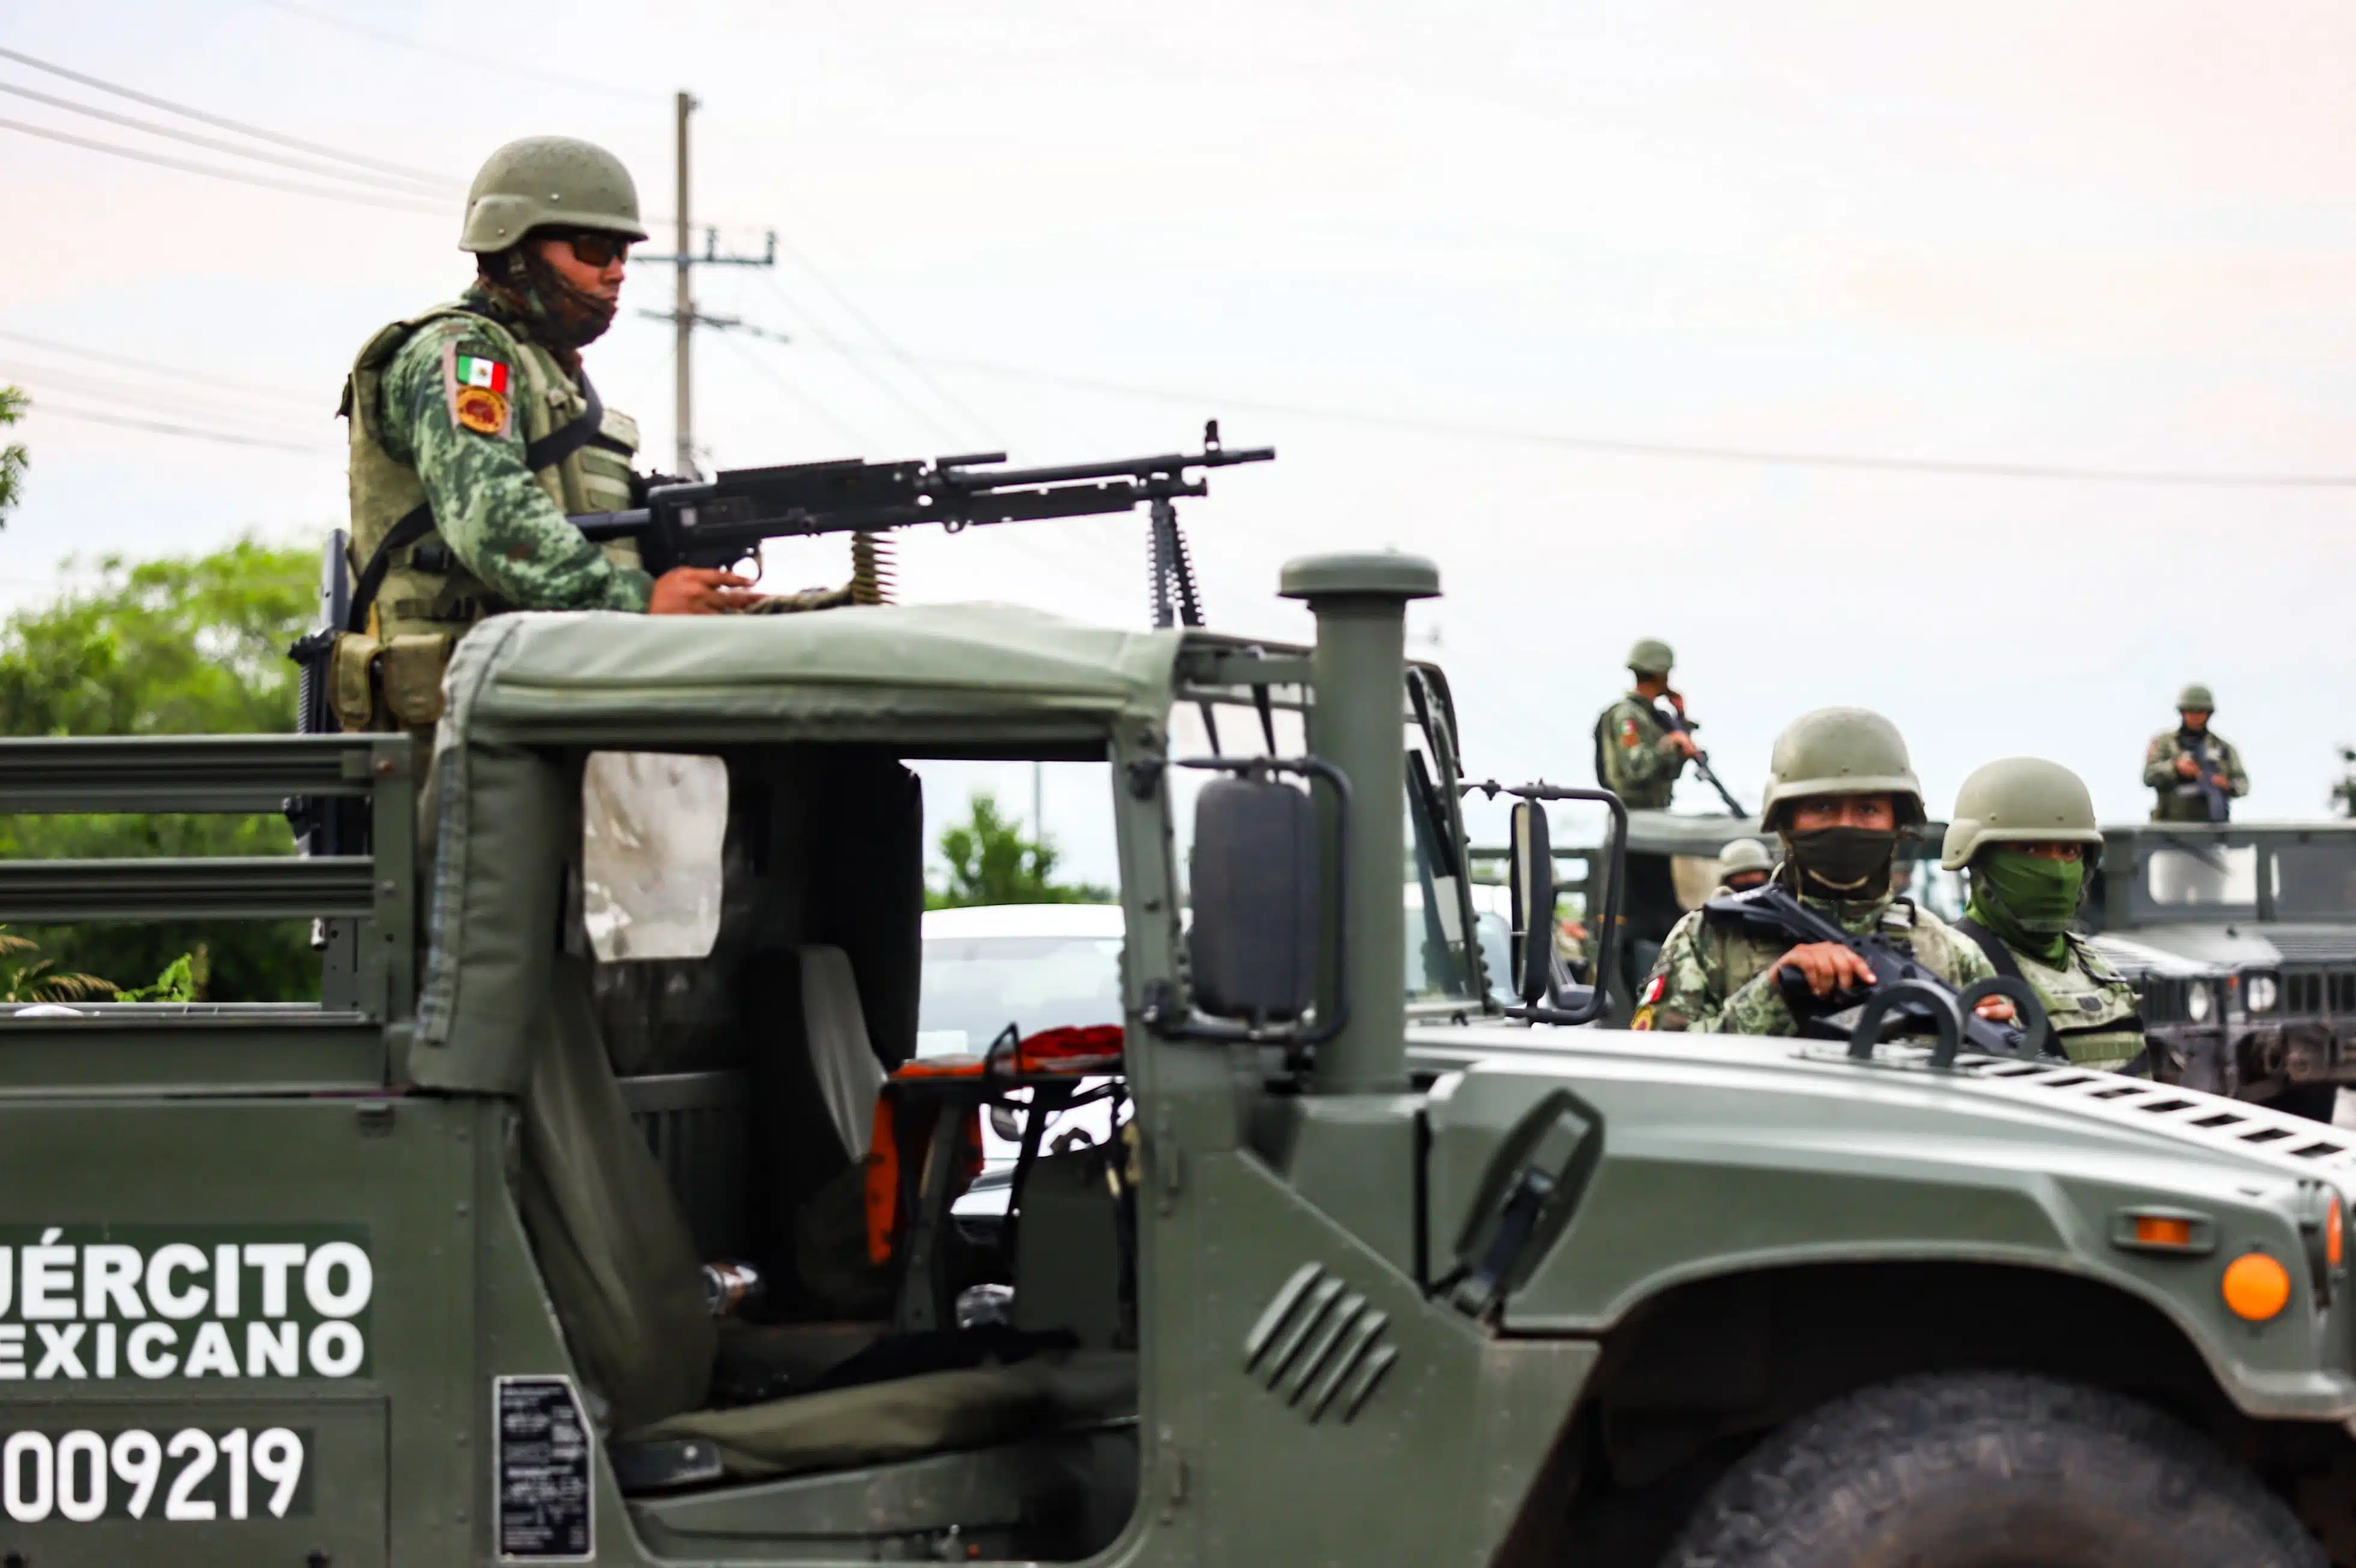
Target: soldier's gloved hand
(2219, 781)
(2190, 769)
(1827, 967)
(1677, 740)
(699, 591)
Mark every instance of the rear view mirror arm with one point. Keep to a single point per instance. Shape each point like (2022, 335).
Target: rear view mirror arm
(1593, 1005)
(1166, 1013)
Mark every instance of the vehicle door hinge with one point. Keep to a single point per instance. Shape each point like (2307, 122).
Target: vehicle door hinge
(1169, 1165)
(1173, 1470)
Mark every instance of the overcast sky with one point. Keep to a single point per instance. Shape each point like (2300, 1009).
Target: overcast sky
(2107, 235)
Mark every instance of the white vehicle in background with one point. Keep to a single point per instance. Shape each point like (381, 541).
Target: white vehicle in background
(1034, 966)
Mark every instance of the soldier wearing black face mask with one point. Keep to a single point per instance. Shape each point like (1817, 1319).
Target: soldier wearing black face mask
(1840, 788)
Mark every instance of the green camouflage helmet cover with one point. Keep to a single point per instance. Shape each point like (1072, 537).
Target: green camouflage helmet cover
(2020, 799)
(2197, 698)
(1743, 854)
(1651, 656)
(545, 182)
(1840, 751)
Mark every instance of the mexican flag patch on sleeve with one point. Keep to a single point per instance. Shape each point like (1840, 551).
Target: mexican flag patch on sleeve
(488, 374)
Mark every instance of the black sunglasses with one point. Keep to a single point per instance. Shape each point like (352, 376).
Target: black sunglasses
(592, 248)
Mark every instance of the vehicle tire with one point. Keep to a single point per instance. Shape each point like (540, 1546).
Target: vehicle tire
(1989, 1470)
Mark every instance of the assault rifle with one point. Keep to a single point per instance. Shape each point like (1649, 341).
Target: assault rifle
(1901, 987)
(2213, 797)
(725, 520)
(1673, 719)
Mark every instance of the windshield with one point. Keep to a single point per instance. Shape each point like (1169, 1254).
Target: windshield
(975, 986)
(2201, 877)
(2315, 878)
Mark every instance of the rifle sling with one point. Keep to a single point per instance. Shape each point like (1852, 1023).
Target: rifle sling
(418, 522)
(1988, 943)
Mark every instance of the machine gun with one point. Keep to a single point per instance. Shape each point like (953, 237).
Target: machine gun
(723, 520)
(1901, 986)
(1673, 719)
(2213, 797)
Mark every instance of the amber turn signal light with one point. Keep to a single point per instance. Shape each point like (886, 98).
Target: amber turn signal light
(2160, 1231)
(2257, 1287)
(2335, 1233)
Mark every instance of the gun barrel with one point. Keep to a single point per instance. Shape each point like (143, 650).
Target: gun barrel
(1172, 465)
(603, 525)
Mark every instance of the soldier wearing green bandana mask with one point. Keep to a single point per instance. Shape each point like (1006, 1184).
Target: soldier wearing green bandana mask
(1840, 789)
(2024, 832)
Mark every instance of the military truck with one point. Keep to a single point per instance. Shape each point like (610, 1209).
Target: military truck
(459, 1265)
(2241, 938)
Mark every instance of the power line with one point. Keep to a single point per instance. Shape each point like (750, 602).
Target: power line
(770, 374)
(149, 367)
(192, 432)
(166, 399)
(215, 143)
(234, 176)
(464, 57)
(1745, 455)
(801, 259)
(223, 122)
(940, 432)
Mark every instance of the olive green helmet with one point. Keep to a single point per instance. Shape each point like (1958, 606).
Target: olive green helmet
(2020, 799)
(1743, 854)
(2197, 698)
(1651, 656)
(1840, 751)
(545, 182)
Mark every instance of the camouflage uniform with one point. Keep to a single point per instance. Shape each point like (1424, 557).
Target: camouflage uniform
(2178, 799)
(2093, 1010)
(1713, 979)
(1630, 759)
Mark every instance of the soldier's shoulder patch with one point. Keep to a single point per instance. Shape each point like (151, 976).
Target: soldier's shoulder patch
(1642, 1020)
(480, 410)
(1653, 990)
(1630, 736)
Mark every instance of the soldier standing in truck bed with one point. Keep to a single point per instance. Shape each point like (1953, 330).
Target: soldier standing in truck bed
(1637, 756)
(2169, 769)
(474, 430)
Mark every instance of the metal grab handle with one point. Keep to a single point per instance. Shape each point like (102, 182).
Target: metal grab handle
(2036, 1023)
(1888, 999)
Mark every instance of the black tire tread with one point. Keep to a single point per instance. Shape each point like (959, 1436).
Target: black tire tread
(1798, 1500)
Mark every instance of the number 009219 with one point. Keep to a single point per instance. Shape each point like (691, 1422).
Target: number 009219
(185, 1477)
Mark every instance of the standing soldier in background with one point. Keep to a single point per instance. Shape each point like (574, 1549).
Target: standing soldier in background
(1638, 758)
(474, 430)
(1840, 788)
(2024, 832)
(2170, 766)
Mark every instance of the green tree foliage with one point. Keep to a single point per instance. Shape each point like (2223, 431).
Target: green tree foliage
(12, 458)
(990, 862)
(26, 976)
(187, 645)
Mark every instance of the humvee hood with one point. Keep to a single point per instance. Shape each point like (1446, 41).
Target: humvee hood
(883, 673)
(1806, 1093)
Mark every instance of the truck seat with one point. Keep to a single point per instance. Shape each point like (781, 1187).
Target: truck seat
(877, 1423)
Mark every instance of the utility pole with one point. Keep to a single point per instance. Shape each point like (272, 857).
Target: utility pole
(683, 316)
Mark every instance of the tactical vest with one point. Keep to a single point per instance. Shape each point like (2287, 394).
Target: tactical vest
(2094, 1013)
(424, 589)
(423, 599)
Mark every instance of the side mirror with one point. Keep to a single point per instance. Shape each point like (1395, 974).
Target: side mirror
(1530, 880)
(1253, 946)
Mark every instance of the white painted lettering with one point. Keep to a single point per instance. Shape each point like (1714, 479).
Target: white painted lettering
(225, 1280)
(141, 1350)
(12, 1351)
(28, 1476)
(335, 1349)
(59, 1351)
(172, 1258)
(318, 1280)
(211, 1353)
(7, 1277)
(89, 1449)
(273, 1261)
(272, 1349)
(49, 1288)
(106, 1349)
(109, 1282)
